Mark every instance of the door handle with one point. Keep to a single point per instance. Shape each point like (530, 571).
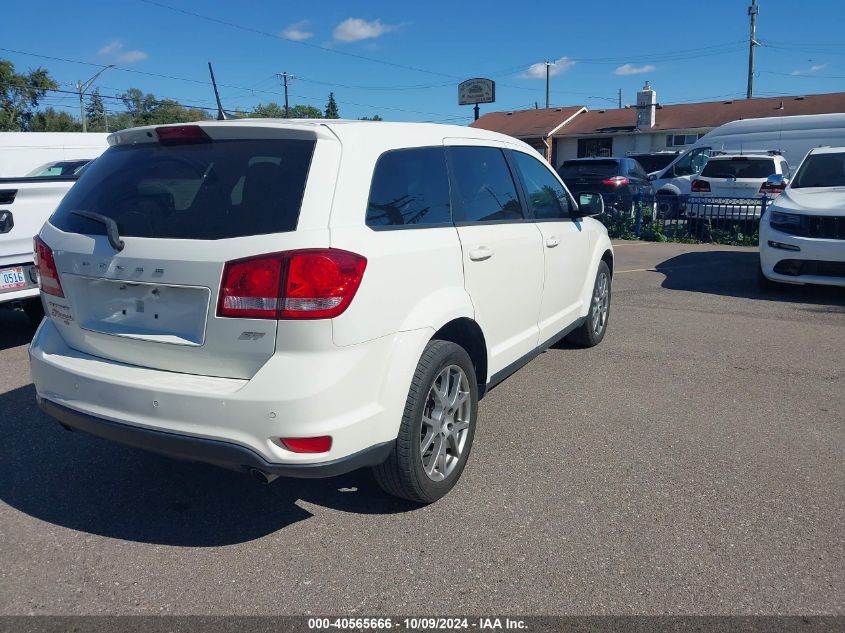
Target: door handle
(480, 254)
(552, 241)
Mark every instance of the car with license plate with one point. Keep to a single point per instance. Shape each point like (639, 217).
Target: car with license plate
(802, 234)
(621, 181)
(305, 298)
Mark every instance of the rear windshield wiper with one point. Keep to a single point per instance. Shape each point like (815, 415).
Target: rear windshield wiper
(111, 227)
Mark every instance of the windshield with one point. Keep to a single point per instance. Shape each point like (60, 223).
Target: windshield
(603, 168)
(213, 190)
(58, 168)
(654, 162)
(821, 170)
(739, 167)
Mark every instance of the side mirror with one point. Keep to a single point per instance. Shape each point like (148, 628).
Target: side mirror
(777, 180)
(589, 204)
(651, 177)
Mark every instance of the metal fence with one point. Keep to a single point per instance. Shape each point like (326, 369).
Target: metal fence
(687, 218)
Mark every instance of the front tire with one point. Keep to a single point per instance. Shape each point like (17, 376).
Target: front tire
(592, 331)
(438, 427)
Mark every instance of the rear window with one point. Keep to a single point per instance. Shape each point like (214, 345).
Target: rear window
(203, 191)
(821, 170)
(410, 188)
(603, 168)
(739, 167)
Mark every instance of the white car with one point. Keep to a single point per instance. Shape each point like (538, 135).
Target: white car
(729, 184)
(307, 298)
(802, 234)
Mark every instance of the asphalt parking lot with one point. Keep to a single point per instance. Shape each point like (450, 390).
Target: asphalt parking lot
(690, 464)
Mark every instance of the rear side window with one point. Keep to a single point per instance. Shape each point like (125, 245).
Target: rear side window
(739, 167)
(201, 191)
(483, 188)
(574, 168)
(410, 188)
(547, 197)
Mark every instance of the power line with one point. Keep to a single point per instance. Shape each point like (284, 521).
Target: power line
(274, 36)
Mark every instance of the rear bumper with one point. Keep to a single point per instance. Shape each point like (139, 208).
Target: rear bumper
(216, 452)
(355, 394)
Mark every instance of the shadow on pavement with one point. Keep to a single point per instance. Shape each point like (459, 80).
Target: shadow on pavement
(734, 274)
(15, 329)
(88, 484)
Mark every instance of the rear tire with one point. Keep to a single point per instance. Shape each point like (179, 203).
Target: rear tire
(34, 310)
(438, 427)
(592, 331)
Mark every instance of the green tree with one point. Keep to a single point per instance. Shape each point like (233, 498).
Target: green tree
(375, 117)
(270, 111)
(331, 108)
(305, 112)
(51, 120)
(95, 111)
(20, 94)
(146, 109)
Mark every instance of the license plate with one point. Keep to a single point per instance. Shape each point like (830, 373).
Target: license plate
(11, 278)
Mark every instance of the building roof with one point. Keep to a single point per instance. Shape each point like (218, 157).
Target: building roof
(527, 123)
(710, 114)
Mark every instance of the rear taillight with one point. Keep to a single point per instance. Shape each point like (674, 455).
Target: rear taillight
(48, 274)
(699, 186)
(769, 189)
(306, 284)
(616, 181)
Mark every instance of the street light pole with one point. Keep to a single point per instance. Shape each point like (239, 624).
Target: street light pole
(81, 88)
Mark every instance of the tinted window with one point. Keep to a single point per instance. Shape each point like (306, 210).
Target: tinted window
(603, 168)
(654, 162)
(692, 162)
(410, 187)
(548, 199)
(212, 190)
(483, 189)
(739, 167)
(821, 170)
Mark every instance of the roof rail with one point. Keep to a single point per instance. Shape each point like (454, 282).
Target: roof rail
(740, 152)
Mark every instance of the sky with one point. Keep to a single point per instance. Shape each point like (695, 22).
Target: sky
(403, 60)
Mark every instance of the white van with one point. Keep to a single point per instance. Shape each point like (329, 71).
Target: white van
(22, 152)
(793, 136)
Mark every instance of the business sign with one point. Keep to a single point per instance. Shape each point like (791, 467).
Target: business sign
(476, 90)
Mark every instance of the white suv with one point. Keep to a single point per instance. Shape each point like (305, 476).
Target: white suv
(307, 298)
(802, 234)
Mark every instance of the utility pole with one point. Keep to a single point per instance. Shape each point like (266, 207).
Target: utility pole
(285, 77)
(81, 87)
(620, 98)
(548, 65)
(752, 43)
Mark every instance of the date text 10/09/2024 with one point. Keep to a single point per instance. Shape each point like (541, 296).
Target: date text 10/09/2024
(418, 624)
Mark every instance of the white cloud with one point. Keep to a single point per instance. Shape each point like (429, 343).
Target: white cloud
(114, 50)
(356, 29)
(809, 71)
(538, 71)
(297, 32)
(630, 69)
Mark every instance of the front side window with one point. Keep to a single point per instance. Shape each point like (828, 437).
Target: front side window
(692, 162)
(410, 188)
(483, 188)
(547, 197)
